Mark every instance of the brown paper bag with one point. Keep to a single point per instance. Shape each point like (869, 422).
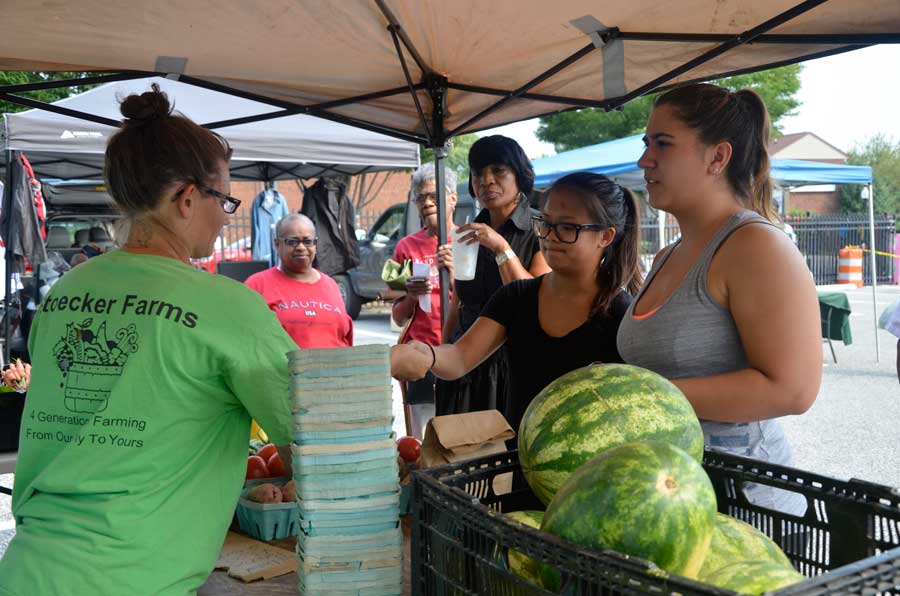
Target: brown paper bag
(458, 437)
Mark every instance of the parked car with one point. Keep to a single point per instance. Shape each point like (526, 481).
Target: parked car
(238, 250)
(363, 284)
(79, 212)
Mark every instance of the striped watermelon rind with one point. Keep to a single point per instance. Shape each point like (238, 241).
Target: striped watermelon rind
(591, 409)
(649, 500)
(734, 540)
(520, 564)
(754, 577)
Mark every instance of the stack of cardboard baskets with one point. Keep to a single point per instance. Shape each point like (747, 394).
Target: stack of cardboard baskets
(345, 469)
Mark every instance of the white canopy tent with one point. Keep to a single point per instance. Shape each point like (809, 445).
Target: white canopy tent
(298, 146)
(425, 70)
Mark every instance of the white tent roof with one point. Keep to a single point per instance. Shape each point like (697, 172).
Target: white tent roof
(297, 146)
(518, 58)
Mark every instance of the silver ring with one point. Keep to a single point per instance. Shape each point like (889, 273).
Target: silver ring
(476, 233)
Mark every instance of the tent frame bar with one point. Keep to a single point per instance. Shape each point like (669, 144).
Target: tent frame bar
(395, 27)
(735, 41)
(765, 39)
(558, 67)
(395, 36)
(31, 103)
(56, 84)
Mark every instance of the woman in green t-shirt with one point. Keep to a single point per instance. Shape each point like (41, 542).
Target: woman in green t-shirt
(134, 436)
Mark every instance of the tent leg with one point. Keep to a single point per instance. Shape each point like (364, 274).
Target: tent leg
(8, 204)
(661, 229)
(872, 249)
(440, 155)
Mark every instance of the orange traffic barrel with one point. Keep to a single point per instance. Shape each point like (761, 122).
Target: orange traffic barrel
(850, 266)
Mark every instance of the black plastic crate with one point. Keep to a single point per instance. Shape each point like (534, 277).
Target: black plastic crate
(847, 542)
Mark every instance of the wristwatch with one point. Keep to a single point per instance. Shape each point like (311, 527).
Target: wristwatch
(502, 257)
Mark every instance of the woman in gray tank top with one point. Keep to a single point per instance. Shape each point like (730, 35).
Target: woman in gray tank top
(729, 312)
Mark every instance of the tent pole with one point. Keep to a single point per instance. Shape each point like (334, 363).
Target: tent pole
(440, 155)
(8, 204)
(872, 249)
(661, 228)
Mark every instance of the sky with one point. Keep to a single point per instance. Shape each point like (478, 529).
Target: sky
(845, 99)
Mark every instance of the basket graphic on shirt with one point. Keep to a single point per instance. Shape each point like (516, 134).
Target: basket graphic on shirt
(91, 363)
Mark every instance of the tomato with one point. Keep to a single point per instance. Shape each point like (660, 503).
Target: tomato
(409, 448)
(266, 451)
(256, 467)
(276, 466)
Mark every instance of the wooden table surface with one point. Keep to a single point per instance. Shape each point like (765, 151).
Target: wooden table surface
(221, 584)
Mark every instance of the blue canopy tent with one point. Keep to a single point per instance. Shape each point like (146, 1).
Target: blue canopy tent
(618, 160)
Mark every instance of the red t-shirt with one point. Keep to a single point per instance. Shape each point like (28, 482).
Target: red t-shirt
(313, 314)
(421, 247)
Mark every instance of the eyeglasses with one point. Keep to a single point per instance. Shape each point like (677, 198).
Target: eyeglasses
(229, 204)
(425, 196)
(496, 170)
(566, 233)
(294, 242)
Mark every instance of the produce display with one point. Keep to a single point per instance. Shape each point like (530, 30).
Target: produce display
(650, 500)
(615, 452)
(523, 565)
(257, 468)
(734, 540)
(591, 409)
(754, 577)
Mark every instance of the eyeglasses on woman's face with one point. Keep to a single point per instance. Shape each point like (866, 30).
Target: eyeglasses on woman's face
(424, 197)
(294, 241)
(566, 233)
(229, 204)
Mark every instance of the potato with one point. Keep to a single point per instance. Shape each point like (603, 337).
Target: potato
(288, 492)
(265, 493)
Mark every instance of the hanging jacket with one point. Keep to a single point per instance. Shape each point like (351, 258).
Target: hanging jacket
(268, 208)
(24, 239)
(326, 203)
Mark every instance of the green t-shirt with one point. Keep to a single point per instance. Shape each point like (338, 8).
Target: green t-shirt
(133, 446)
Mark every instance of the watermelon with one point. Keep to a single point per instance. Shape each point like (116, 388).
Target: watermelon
(754, 577)
(650, 500)
(523, 565)
(589, 410)
(734, 540)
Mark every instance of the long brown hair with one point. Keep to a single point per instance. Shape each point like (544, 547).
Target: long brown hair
(155, 149)
(612, 206)
(739, 118)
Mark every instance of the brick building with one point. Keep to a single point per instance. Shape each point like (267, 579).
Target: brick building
(381, 190)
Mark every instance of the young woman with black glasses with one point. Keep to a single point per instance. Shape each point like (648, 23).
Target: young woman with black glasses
(559, 321)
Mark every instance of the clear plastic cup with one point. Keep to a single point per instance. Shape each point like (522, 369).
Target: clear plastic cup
(465, 257)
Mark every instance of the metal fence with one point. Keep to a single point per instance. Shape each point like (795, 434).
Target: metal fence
(820, 238)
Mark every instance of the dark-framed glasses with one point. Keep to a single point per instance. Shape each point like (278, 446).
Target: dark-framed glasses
(423, 197)
(229, 203)
(566, 233)
(294, 242)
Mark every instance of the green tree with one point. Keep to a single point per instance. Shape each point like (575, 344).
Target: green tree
(458, 160)
(884, 157)
(14, 77)
(579, 128)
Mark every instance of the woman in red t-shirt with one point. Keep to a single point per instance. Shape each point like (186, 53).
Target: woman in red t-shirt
(422, 247)
(307, 302)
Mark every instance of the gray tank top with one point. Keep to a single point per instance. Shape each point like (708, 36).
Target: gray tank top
(691, 335)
